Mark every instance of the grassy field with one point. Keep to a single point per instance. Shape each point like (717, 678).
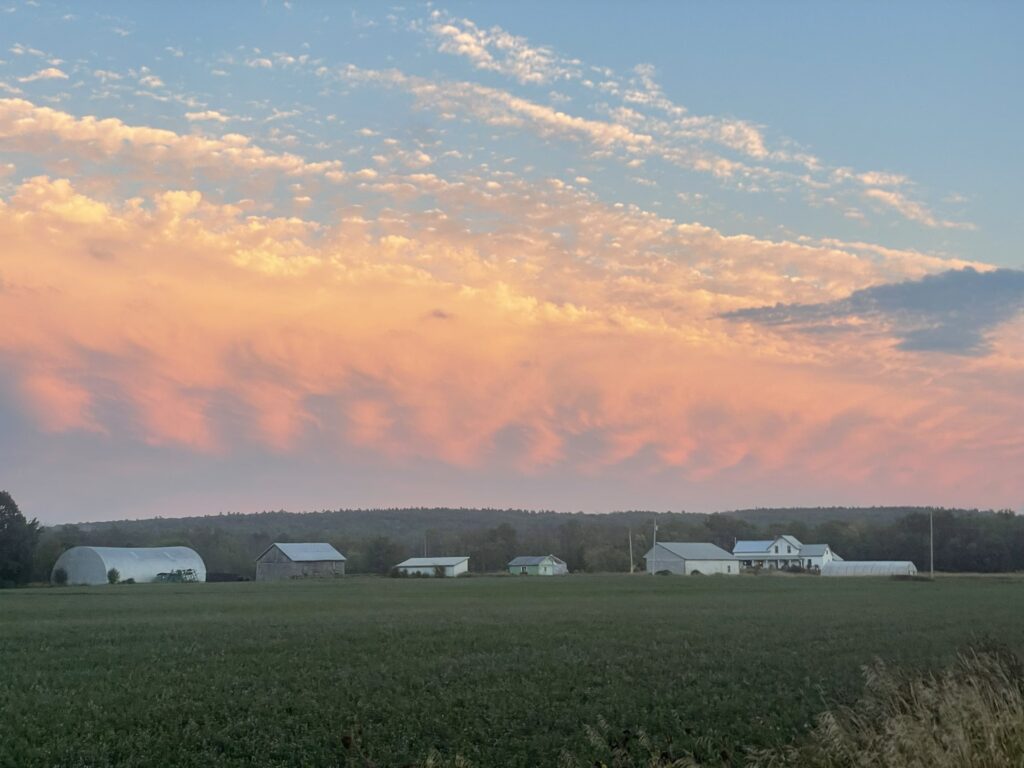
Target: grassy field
(504, 671)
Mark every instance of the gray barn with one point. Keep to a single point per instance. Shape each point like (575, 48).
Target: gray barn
(299, 561)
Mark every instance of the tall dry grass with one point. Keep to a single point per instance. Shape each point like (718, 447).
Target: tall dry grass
(970, 715)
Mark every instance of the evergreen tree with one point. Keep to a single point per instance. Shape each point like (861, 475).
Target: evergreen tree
(18, 538)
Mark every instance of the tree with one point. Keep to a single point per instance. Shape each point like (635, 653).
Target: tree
(113, 576)
(18, 538)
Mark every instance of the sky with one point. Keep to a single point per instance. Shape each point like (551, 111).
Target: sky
(571, 256)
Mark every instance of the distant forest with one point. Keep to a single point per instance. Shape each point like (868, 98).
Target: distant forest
(373, 540)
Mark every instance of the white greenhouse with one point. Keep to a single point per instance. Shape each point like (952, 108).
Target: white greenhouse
(90, 565)
(869, 568)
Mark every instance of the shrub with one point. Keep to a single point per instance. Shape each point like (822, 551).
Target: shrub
(113, 576)
(60, 577)
(663, 573)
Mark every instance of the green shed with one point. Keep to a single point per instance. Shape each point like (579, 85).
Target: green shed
(543, 565)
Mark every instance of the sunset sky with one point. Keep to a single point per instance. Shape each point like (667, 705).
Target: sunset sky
(572, 256)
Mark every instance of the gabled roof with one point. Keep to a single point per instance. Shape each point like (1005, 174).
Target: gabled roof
(692, 550)
(791, 540)
(533, 560)
(307, 552)
(432, 562)
(813, 550)
(752, 546)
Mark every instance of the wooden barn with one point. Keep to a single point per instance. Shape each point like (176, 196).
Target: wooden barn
(314, 560)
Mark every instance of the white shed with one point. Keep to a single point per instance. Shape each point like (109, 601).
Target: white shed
(686, 558)
(869, 568)
(90, 565)
(434, 566)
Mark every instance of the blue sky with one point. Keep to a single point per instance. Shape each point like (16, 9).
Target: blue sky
(297, 217)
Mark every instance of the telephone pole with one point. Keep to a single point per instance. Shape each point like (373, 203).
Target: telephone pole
(654, 549)
(629, 531)
(931, 542)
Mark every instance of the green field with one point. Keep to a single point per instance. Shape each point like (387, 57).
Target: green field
(504, 671)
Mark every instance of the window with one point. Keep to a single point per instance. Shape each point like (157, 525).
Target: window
(523, 569)
(728, 569)
(776, 549)
(788, 549)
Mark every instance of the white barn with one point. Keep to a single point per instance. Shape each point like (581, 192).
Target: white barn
(90, 565)
(686, 558)
(434, 566)
(869, 568)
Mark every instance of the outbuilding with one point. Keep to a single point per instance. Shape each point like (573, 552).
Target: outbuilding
(90, 565)
(869, 568)
(541, 565)
(434, 566)
(306, 560)
(687, 558)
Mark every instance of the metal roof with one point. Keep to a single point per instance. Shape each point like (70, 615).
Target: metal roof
(307, 552)
(813, 550)
(692, 550)
(752, 546)
(791, 540)
(432, 562)
(533, 560)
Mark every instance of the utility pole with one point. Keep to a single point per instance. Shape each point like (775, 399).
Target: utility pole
(630, 532)
(931, 542)
(654, 549)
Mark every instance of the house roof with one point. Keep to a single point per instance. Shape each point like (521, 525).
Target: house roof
(813, 550)
(532, 560)
(432, 562)
(752, 546)
(693, 550)
(791, 540)
(305, 552)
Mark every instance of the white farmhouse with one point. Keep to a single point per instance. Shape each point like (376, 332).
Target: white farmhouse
(780, 552)
(434, 566)
(686, 558)
(815, 556)
(783, 552)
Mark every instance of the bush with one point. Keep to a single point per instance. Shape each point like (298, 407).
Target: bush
(663, 573)
(113, 576)
(60, 577)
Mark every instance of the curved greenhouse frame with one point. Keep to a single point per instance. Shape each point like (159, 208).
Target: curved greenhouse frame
(869, 568)
(89, 565)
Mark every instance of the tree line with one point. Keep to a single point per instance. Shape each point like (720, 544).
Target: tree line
(374, 540)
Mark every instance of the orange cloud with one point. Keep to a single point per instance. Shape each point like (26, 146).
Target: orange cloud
(415, 339)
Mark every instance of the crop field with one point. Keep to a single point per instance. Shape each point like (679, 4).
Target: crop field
(503, 671)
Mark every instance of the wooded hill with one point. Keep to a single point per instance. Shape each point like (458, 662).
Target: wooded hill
(375, 539)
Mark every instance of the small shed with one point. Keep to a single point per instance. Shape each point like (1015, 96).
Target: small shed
(90, 565)
(434, 566)
(308, 560)
(686, 558)
(539, 565)
(869, 568)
